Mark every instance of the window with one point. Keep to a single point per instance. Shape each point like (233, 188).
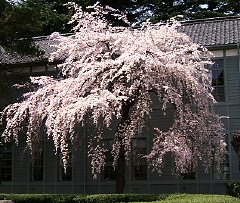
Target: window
(6, 165)
(109, 173)
(218, 80)
(139, 163)
(64, 175)
(223, 174)
(191, 175)
(36, 169)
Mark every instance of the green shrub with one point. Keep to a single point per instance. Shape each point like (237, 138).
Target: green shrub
(97, 198)
(233, 189)
(38, 198)
(102, 198)
(109, 198)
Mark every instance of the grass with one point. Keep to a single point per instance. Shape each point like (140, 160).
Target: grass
(198, 198)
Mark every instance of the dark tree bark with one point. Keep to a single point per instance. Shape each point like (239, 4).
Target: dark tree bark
(1, 156)
(236, 145)
(120, 165)
(120, 171)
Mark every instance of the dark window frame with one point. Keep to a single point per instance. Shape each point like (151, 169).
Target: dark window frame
(218, 79)
(109, 173)
(224, 173)
(64, 175)
(37, 163)
(139, 163)
(7, 161)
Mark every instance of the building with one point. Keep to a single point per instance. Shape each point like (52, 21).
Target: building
(45, 173)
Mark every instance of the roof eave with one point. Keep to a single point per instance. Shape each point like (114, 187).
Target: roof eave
(222, 46)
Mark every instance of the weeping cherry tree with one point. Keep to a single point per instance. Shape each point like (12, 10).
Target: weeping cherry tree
(108, 75)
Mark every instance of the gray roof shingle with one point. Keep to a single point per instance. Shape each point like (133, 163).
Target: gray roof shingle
(207, 32)
(213, 32)
(42, 43)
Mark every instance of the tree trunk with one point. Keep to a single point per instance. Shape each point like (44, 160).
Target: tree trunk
(236, 145)
(120, 171)
(120, 165)
(1, 156)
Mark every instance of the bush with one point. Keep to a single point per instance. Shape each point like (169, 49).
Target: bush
(38, 198)
(97, 198)
(102, 198)
(233, 189)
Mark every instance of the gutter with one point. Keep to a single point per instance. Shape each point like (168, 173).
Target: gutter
(223, 46)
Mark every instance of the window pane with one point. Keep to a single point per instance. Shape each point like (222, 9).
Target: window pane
(223, 174)
(37, 173)
(218, 80)
(189, 176)
(6, 167)
(109, 173)
(140, 172)
(217, 77)
(218, 93)
(218, 63)
(139, 163)
(36, 169)
(64, 175)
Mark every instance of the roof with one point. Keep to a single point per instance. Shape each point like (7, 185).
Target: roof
(213, 31)
(207, 32)
(43, 45)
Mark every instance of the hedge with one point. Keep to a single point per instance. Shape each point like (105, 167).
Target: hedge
(108, 198)
(38, 198)
(97, 198)
(233, 190)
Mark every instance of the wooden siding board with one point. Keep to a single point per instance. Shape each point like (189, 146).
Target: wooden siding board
(232, 74)
(234, 113)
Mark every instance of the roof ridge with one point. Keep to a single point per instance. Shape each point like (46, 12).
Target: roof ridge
(225, 18)
(38, 38)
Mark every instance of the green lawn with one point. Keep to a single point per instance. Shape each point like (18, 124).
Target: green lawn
(199, 198)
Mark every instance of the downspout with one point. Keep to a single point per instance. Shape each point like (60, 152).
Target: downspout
(238, 50)
(238, 46)
(238, 41)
